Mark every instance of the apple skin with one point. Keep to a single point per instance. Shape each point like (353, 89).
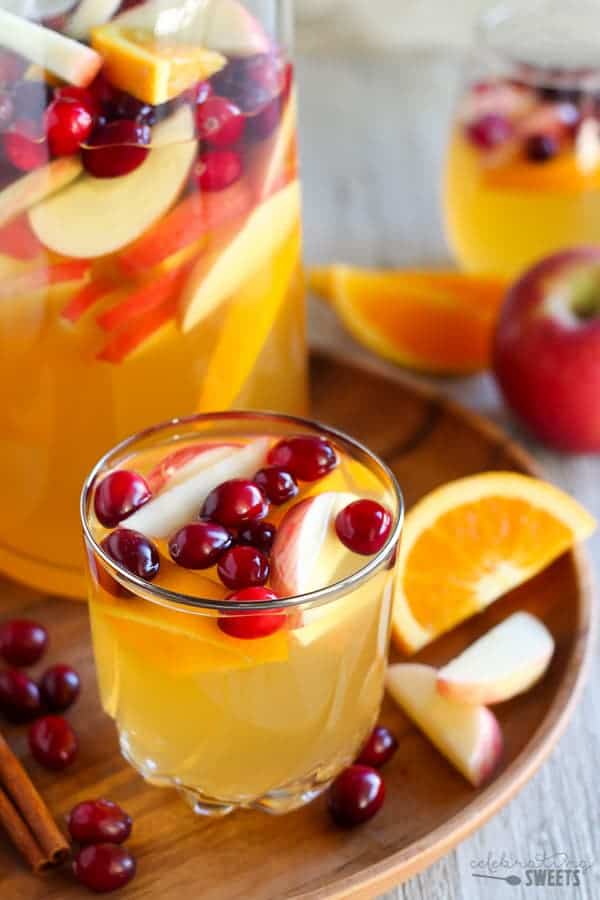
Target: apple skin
(547, 361)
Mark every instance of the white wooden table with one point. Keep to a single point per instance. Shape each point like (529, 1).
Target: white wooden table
(373, 134)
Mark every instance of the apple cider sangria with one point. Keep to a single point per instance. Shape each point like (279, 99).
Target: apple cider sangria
(240, 582)
(523, 169)
(149, 241)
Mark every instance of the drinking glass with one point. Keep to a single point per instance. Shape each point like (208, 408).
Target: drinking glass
(266, 722)
(149, 242)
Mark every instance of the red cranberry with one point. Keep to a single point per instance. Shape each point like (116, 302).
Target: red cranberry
(104, 867)
(489, 131)
(102, 91)
(19, 696)
(236, 502)
(379, 748)
(25, 146)
(118, 495)
(258, 534)
(363, 526)
(125, 106)
(200, 92)
(99, 821)
(217, 169)
(116, 148)
(59, 687)
(307, 457)
(247, 93)
(219, 121)
(68, 124)
(540, 148)
(53, 742)
(22, 641)
(265, 122)
(356, 795)
(199, 545)
(133, 551)
(84, 96)
(251, 625)
(242, 567)
(277, 484)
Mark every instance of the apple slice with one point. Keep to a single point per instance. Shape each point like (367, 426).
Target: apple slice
(239, 255)
(268, 161)
(88, 14)
(61, 55)
(221, 25)
(30, 189)
(179, 504)
(74, 221)
(181, 464)
(468, 736)
(502, 663)
(18, 240)
(307, 553)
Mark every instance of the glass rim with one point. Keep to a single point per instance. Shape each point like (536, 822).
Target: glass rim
(319, 597)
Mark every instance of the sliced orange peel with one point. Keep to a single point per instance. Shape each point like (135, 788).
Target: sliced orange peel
(432, 321)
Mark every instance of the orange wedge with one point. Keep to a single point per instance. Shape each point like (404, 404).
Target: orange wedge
(151, 69)
(472, 540)
(430, 321)
(564, 174)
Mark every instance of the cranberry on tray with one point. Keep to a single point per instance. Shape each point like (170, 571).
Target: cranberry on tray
(22, 641)
(356, 795)
(104, 867)
(60, 687)
(20, 699)
(379, 747)
(99, 821)
(53, 743)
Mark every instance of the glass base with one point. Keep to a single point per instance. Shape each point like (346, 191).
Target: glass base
(277, 802)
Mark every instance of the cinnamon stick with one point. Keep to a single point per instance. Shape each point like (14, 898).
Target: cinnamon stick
(19, 800)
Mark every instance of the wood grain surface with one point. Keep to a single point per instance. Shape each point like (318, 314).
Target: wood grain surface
(373, 134)
(250, 856)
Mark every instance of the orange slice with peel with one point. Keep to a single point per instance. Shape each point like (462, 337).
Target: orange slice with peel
(431, 321)
(472, 540)
(153, 70)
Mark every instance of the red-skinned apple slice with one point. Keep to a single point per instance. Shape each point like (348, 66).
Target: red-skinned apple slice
(172, 508)
(469, 736)
(268, 161)
(181, 464)
(88, 14)
(61, 55)
(307, 553)
(504, 662)
(37, 185)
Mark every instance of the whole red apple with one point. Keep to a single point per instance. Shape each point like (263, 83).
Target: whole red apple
(547, 349)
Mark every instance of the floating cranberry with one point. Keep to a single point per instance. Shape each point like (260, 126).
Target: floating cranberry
(116, 148)
(251, 625)
(200, 92)
(25, 145)
(118, 495)
(199, 545)
(306, 456)
(104, 867)
(68, 124)
(236, 502)
(379, 748)
(277, 484)
(19, 696)
(102, 91)
(242, 567)
(99, 821)
(84, 96)
(53, 742)
(363, 526)
(124, 106)
(22, 641)
(217, 169)
(258, 534)
(219, 121)
(265, 122)
(489, 131)
(541, 148)
(60, 687)
(247, 93)
(133, 551)
(356, 795)
(266, 69)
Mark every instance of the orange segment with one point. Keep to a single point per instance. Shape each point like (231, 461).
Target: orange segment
(150, 69)
(563, 174)
(431, 321)
(470, 541)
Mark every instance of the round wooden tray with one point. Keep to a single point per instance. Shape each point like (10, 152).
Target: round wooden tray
(430, 807)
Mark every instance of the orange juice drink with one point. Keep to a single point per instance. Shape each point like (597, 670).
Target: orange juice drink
(149, 244)
(240, 575)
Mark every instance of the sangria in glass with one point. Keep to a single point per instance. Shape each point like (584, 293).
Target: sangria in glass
(523, 169)
(240, 586)
(149, 241)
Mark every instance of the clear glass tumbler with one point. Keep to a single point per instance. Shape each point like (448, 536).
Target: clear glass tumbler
(265, 722)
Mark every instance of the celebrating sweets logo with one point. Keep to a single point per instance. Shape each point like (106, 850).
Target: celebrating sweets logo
(556, 869)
